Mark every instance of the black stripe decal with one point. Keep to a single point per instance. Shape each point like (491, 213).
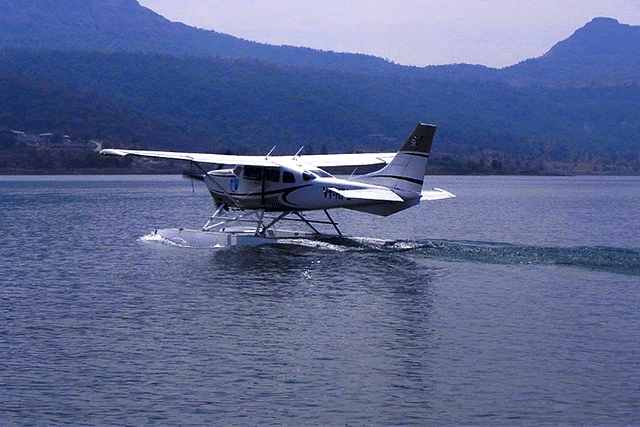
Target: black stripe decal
(401, 178)
(415, 153)
(266, 193)
(283, 192)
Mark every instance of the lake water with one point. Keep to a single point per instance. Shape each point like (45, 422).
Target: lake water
(514, 304)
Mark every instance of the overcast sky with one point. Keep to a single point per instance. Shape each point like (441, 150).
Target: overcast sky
(496, 33)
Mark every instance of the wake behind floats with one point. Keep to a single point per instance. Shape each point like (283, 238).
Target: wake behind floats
(260, 193)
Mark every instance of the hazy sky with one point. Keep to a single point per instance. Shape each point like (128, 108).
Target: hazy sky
(496, 33)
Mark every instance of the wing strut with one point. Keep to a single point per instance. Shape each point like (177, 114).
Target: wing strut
(335, 224)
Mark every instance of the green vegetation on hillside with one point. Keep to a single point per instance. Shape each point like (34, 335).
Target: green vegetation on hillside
(248, 106)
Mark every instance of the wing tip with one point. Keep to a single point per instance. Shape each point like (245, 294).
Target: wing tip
(112, 152)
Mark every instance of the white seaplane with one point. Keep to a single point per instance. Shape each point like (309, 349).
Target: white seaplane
(259, 193)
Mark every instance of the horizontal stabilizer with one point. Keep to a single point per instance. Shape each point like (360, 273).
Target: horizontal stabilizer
(373, 194)
(436, 194)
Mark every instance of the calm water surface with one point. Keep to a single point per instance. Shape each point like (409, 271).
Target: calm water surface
(514, 304)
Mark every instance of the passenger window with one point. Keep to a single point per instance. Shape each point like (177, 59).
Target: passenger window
(272, 174)
(288, 177)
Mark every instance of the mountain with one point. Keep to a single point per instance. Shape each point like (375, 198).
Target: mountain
(124, 25)
(104, 25)
(602, 53)
(600, 37)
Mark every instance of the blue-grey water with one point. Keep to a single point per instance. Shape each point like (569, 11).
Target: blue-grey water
(517, 303)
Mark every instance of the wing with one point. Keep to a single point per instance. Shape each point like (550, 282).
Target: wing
(322, 161)
(436, 194)
(220, 159)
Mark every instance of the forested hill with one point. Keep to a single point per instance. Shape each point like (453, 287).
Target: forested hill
(217, 105)
(115, 71)
(124, 25)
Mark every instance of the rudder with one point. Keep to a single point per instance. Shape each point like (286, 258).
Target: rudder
(420, 140)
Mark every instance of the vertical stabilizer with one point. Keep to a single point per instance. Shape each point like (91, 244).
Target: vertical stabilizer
(407, 169)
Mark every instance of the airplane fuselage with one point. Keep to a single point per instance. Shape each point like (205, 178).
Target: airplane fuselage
(288, 187)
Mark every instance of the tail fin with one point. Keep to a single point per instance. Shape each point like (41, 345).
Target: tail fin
(407, 169)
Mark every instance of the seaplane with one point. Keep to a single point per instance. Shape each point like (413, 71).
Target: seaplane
(255, 195)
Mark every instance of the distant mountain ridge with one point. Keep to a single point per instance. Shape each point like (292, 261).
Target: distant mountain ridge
(124, 25)
(601, 36)
(603, 52)
(603, 49)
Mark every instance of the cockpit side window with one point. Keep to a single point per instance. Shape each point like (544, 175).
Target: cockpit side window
(308, 176)
(252, 172)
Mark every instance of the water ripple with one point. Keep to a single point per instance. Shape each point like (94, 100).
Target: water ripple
(598, 258)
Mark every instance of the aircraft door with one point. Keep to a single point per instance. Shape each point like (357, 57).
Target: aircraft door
(260, 180)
